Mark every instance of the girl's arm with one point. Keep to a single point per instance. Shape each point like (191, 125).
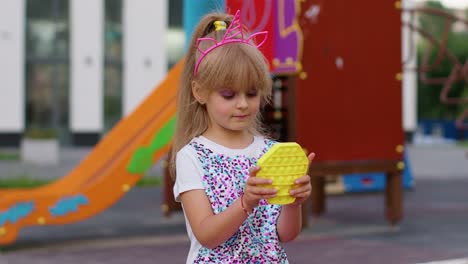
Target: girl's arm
(290, 220)
(211, 230)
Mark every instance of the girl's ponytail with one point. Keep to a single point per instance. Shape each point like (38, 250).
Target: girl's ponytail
(204, 28)
(189, 122)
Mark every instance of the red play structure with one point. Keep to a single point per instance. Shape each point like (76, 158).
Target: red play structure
(337, 89)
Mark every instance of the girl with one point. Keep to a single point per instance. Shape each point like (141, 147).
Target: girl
(218, 140)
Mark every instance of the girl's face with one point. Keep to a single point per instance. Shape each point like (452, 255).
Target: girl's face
(231, 110)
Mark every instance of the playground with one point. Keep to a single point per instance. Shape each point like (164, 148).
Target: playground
(353, 229)
(378, 195)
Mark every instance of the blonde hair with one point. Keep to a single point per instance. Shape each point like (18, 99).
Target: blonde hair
(221, 67)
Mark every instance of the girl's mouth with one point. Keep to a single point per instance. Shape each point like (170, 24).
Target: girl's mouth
(241, 116)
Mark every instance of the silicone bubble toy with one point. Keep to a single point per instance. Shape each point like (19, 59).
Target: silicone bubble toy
(283, 164)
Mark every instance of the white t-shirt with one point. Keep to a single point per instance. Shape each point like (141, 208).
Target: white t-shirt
(221, 172)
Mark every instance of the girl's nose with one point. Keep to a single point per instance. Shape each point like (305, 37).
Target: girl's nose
(242, 101)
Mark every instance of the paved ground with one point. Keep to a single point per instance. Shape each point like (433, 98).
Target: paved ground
(352, 231)
(427, 161)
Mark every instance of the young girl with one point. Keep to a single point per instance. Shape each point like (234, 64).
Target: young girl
(216, 146)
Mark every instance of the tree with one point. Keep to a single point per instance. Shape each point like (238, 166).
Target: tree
(429, 104)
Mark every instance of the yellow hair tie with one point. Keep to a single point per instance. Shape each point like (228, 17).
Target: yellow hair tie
(220, 25)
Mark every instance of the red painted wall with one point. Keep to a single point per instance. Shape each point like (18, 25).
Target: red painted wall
(350, 111)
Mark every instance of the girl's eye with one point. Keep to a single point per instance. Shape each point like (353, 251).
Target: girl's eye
(227, 94)
(252, 93)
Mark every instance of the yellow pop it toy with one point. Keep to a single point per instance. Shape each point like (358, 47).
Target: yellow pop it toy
(283, 164)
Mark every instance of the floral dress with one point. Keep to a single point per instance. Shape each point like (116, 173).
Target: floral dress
(224, 179)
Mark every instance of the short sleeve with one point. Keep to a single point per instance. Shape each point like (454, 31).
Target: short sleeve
(188, 173)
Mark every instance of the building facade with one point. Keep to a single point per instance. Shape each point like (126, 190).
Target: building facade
(79, 66)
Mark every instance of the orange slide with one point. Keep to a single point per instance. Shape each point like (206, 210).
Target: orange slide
(116, 163)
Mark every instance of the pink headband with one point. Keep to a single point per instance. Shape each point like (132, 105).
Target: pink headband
(232, 34)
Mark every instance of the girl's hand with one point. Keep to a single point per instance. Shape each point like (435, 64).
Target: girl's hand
(253, 193)
(304, 188)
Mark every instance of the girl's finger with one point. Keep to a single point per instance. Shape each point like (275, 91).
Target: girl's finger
(262, 191)
(311, 157)
(253, 172)
(300, 189)
(263, 196)
(258, 181)
(300, 193)
(303, 180)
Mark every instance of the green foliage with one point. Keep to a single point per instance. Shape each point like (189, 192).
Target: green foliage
(112, 110)
(429, 104)
(112, 106)
(22, 181)
(431, 23)
(26, 181)
(8, 156)
(40, 133)
(150, 181)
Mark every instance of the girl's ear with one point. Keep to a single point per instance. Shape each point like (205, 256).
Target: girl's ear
(197, 93)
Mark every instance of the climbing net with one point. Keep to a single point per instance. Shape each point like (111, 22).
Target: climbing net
(459, 70)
